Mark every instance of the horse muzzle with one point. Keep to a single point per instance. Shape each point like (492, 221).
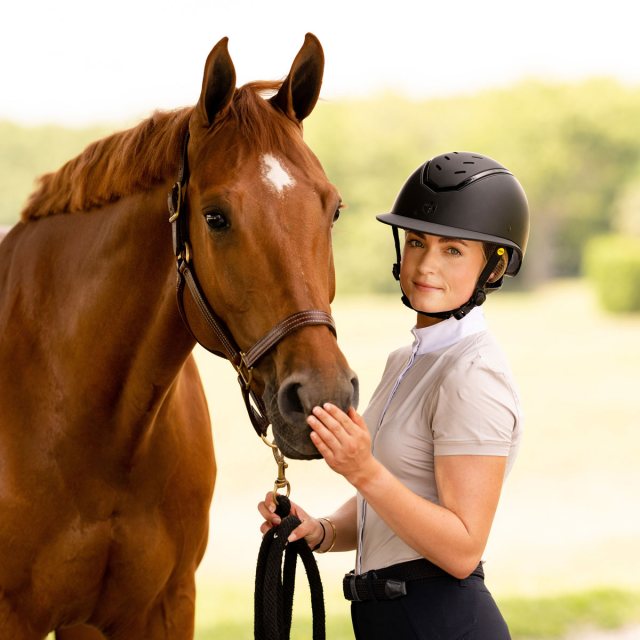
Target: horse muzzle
(294, 399)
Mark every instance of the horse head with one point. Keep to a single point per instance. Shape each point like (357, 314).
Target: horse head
(260, 212)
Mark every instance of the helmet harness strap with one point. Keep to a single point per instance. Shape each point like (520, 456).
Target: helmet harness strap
(477, 298)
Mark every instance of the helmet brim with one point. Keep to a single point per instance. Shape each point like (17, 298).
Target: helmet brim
(434, 229)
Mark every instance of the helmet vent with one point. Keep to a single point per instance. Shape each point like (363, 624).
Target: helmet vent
(455, 171)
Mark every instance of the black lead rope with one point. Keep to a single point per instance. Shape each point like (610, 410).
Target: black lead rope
(273, 605)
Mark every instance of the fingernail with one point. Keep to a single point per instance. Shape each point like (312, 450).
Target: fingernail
(272, 507)
(292, 538)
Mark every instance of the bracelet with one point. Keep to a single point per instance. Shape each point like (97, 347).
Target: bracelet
(334, 533)
(324, 533)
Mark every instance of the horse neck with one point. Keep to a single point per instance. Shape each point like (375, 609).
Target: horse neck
(116, 270)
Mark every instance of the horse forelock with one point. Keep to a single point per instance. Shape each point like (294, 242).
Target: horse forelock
(262, 125)
(148, 154)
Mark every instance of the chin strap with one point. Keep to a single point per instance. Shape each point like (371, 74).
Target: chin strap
(477, 298)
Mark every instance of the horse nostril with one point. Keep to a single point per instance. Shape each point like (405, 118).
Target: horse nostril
(297, 396)
(355, 394)
(289, 401)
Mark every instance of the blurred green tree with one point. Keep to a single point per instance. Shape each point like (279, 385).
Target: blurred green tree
(28, 152)
(573, 147)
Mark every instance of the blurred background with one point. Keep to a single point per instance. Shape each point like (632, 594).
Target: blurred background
(549, 89)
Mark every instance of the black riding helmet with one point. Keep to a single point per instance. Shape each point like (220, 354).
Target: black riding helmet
(468, 196)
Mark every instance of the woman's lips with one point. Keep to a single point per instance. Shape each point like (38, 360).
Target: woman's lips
(425, 287)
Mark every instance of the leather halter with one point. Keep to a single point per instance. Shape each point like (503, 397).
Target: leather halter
(243, 361)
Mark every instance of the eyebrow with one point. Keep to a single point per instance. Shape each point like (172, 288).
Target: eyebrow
(441, 239)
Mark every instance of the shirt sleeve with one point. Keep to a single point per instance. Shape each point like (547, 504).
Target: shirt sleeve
(475, 411)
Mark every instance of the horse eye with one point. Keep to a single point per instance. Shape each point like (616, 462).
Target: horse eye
(217, 221)
(336, 215)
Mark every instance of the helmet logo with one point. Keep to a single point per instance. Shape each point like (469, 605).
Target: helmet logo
(429, 208)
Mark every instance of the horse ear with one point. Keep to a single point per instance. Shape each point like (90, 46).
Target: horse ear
(218, 84)
(300, 90)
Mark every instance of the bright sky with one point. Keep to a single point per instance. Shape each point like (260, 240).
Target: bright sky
(82, 61)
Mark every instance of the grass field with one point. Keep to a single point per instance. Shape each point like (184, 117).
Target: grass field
(228, 614)
(564, 547)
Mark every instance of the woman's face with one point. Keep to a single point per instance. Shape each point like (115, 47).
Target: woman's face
(439, 274)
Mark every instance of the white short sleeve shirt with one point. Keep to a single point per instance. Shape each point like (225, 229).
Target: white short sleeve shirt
(450, 393)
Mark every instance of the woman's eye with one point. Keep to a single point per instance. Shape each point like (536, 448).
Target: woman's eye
(217, 221)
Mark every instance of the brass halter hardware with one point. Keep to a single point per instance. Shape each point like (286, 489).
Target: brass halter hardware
(244, 371)
(281, 481)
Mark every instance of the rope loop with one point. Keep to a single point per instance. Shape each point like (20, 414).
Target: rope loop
(273, 604)
(283, 507)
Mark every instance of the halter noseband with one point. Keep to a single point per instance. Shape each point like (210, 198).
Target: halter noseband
(243, 362)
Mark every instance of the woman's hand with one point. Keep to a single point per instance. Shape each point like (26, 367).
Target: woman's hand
(343, 440)
(309, 528)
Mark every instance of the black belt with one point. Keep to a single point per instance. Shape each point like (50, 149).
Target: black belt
(391, 582)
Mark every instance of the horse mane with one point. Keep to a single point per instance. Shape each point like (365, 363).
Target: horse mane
(148, 154)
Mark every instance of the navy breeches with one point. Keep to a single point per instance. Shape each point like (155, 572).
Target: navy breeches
(439, 608)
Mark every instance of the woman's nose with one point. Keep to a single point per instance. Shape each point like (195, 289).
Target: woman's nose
(428, 262)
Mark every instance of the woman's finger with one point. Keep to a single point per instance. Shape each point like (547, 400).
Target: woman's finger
(357, 419)
(333, 426)
(338, 419)
(267, 508)
(311, 530)
(270, 502)
(328, 420)
(327, 442)
(323, 449)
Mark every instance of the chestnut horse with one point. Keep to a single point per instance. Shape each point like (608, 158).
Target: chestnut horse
(106, 457)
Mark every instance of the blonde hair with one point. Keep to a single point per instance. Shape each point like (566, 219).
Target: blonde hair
(489, 248)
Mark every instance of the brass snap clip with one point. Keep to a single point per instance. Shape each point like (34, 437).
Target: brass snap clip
(281, 481)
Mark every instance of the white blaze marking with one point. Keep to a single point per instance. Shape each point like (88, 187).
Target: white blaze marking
(274, 174)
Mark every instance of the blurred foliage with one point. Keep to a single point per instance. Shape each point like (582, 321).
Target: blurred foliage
(574, 147)
(556, 616)
(626, 218)
(612, 264)
(28, 152)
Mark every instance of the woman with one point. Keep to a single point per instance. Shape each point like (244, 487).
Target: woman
(442, 430)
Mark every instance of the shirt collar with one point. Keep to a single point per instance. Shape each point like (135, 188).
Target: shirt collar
(444, 334)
